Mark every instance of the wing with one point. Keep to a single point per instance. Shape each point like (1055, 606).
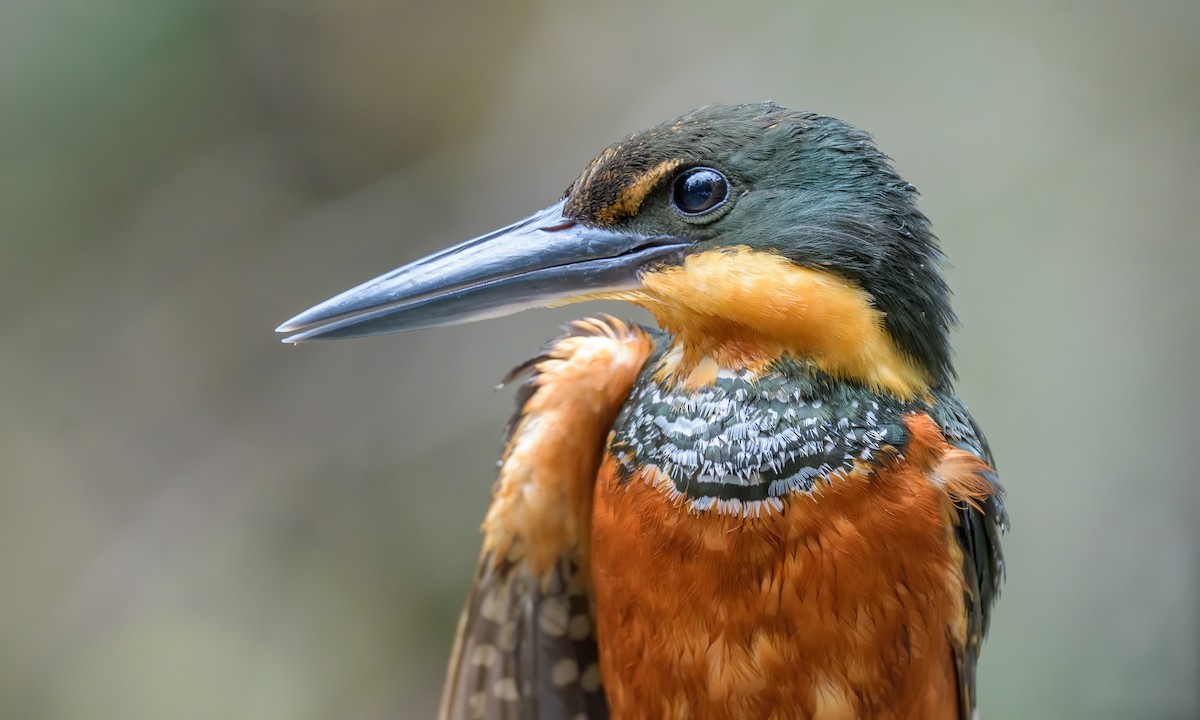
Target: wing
(978, 533)
(526, 645)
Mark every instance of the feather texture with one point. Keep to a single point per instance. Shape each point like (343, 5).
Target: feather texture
(526, 646)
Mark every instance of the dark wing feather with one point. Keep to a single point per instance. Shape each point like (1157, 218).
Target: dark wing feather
(526, 648)
(978, 533)
(526, 645)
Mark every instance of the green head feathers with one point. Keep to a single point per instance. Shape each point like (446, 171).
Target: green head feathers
(809, 187)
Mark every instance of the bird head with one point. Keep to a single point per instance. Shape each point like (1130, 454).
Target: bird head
(749, 231)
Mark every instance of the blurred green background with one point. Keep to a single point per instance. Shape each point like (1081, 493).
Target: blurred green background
(199, 522)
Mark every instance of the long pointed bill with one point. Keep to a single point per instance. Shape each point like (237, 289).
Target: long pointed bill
(542, 259)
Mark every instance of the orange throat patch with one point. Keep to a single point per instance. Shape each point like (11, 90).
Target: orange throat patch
(739, 308)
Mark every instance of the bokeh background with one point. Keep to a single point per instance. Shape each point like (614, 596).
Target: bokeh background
(199, 522)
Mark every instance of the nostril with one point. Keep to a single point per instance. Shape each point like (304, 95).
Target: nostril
(561, 226)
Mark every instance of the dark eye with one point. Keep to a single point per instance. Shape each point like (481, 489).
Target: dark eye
(699, 190)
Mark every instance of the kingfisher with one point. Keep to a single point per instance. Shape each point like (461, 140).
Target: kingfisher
(771, 505)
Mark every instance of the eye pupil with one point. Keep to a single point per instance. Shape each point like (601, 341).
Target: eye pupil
(700, 190)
